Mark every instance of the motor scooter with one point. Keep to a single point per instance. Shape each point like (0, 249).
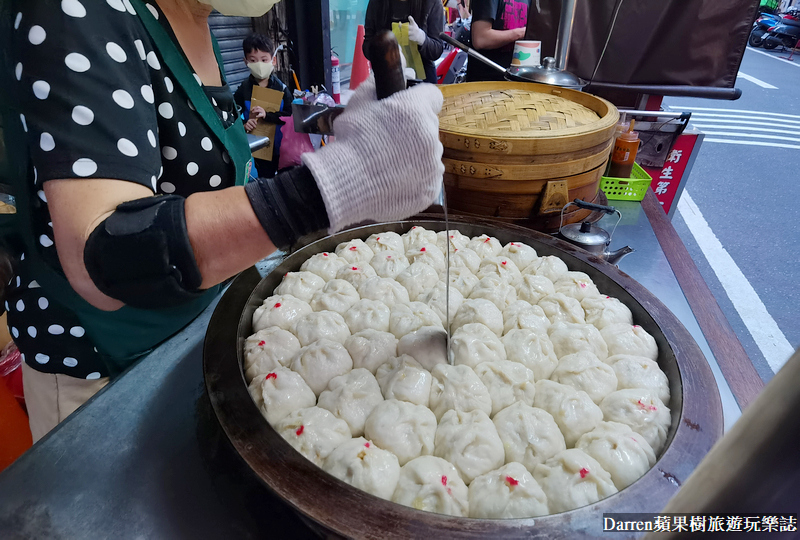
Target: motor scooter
(765, 21)
(786, 34)
(452, 68)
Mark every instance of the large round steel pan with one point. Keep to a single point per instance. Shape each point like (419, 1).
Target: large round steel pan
(343, 510)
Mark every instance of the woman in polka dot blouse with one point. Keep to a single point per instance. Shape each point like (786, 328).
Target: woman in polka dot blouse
(130, 173)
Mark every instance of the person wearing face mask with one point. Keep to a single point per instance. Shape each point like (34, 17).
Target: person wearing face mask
(260, 60)
(131, 171)
(425, 20)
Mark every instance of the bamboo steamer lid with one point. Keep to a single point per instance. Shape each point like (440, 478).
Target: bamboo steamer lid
(509, 118)
(520, 151)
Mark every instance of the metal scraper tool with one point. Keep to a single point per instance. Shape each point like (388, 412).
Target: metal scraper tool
(447, 272)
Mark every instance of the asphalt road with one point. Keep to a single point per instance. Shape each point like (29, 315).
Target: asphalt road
(745, 185)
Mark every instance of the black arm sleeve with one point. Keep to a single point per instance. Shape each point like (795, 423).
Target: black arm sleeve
(433, 46)
(287, 101)
(288, 206)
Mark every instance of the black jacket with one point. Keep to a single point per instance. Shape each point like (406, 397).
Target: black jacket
(432, 24)
(245, 92)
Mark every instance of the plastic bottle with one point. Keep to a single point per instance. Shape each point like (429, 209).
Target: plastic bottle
(625, 148)
(619, 129)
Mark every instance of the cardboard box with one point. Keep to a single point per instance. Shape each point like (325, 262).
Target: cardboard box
(269, 100)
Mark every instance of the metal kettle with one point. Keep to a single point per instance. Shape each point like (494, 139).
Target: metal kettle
(590, 237)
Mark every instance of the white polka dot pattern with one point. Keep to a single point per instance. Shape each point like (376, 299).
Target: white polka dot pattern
(84, 167)
(140, 49)
(73, 8)
(169, 152)
(116, 52)
(77, 62)
(46, 142)
(147, 93)
(116, 4)
(18, 71)
(43, 303)
(41, 89)
(165, 110)
(77, 331)
(82, 115)
(152, 60)
(123, 99)
(127, 148)
(36, 35)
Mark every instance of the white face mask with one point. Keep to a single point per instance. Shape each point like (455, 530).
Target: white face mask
(260, 70)
(241, 8)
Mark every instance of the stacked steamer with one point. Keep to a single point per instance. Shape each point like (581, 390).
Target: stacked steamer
(508, 146)
(554, 399)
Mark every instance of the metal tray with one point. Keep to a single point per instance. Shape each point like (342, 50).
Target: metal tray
(342, 510)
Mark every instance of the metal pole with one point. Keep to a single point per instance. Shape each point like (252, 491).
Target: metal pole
(564, 33)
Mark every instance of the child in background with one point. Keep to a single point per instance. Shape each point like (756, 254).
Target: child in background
(260, 60)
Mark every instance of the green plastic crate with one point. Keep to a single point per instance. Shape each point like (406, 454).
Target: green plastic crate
(627, 189)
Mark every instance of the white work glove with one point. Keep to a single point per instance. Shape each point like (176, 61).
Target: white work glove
(386, 162)
(415, 33)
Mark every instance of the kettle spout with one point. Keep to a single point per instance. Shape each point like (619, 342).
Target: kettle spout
(614, 257)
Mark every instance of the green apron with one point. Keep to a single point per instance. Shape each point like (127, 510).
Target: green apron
(124, 335)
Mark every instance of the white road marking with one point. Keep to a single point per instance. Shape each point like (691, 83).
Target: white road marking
(766, 130)
(765, 331)
(759, 82)
(765, 122)
(775, 57)
(752, 143)
(736, 111)
(703, 116)
(753, 135)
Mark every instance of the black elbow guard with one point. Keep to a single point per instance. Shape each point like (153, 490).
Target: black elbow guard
(141, 254)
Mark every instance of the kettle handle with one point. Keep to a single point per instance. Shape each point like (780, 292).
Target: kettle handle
(592, 206)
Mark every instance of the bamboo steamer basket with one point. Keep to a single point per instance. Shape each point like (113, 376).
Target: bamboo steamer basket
(519, 152)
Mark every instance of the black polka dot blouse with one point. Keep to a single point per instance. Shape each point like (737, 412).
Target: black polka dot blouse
(96, 101)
